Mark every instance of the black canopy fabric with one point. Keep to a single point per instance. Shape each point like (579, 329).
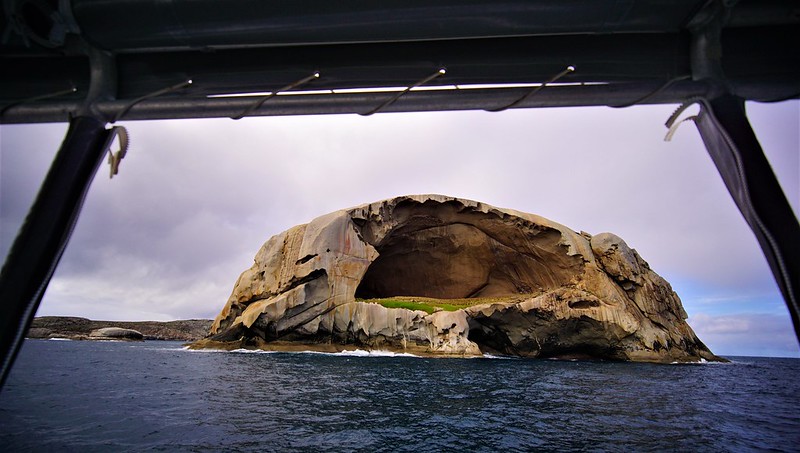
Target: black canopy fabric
(622, 51)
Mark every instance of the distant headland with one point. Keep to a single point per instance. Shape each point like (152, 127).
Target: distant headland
(437, 275)
(75, 328)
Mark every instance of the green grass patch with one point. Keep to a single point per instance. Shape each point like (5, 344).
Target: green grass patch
(411, 305)
(429, 305)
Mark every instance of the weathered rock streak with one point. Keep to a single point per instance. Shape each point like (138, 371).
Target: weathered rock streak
(577, 295)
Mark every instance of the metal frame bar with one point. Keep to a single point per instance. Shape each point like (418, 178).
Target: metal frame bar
(175, 107)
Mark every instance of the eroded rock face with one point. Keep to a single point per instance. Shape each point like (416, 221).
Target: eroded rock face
(576, 295)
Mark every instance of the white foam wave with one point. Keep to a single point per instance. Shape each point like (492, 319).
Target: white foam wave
(202, 351)
(250, 351)
(702, 361)
(496, 357)
(59, 339)
(374, 353)
(345, 353)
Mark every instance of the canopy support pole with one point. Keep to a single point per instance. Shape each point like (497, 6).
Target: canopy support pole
(43, 237)
(738, 156)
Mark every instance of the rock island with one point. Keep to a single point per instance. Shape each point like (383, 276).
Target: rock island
(442, 276)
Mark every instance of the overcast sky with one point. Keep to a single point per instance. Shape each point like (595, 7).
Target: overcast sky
(195, 199)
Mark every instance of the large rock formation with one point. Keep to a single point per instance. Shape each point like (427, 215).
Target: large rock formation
(548, 291)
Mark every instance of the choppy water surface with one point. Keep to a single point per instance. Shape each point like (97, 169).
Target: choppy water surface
(96, 396)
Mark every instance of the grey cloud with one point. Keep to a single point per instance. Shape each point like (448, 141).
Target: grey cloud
(25, 155)
(195, 199)
(747, 334)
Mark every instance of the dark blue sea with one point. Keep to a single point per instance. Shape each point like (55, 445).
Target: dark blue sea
(99, 396)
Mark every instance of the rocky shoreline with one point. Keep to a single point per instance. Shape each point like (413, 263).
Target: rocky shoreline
(75, 328)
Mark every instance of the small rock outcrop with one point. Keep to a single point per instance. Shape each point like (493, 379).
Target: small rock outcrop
(539, 288)
(116, 333)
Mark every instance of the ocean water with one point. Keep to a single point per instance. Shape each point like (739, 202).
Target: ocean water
(99, 396)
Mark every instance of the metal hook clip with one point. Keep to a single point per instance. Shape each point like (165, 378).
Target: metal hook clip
(397, 96)
(160, 92)
(673, 123)
(257, 105)
(530, 93)
(114, 158)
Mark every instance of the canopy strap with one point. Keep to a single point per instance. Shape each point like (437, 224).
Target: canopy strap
(393, 99)
(257, 105)
(123, 111)
(535, 90)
